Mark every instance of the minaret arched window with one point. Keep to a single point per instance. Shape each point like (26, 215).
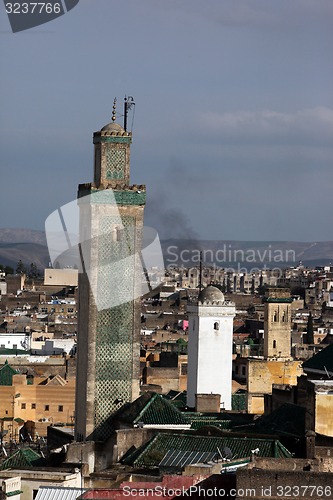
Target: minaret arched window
(216, 325)
(117, 233)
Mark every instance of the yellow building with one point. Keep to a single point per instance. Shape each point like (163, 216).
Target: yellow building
(262, 374)
(45, 401)
(277, 366)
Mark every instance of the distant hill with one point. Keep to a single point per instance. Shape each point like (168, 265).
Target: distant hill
(30, 246)
(23, 244)
(248, 254)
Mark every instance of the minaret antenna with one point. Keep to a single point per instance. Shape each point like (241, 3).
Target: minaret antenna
(128, 103)
(200, 272)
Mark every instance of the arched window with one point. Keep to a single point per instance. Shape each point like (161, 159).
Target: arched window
(216, 325)
(274, 344)
(275, 317)
(119, 234)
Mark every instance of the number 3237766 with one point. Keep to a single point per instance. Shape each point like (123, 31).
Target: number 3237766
(33, 8)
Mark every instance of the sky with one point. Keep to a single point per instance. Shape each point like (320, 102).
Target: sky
(233, 122)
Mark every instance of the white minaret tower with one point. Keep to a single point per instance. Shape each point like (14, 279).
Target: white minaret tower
(210, 346)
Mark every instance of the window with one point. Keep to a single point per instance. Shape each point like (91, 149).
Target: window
(119, 234)
(183, 369)
(216, 325)
(274, 344)
(23, 406)
(236, 369)
(14, 346)
(243, 370)
(33, 406)
(47, 408)
(60, 408)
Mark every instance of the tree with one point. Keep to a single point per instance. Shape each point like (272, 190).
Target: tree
(33, 271)
(8, 269)
(20, 268)
(309, 330)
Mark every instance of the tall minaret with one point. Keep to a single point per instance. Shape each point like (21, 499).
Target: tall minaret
(210, 347)
(111, 222)
(277, 323)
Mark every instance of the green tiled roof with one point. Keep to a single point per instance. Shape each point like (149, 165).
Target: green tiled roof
(201, 422)
(322, 361)
(6, 374)
(24, 457)
(178, 399)
(152, 453)
(150, 408)
(288, 419)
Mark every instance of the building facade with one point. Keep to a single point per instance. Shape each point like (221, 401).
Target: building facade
(277, 323)
(210, 347)
(111, 223)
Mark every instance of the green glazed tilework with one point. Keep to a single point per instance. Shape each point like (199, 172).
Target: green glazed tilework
(114, 139)
(114, 341)
(115, 163)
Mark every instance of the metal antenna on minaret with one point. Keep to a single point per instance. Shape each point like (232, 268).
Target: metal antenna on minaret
(114, 109)
(128, 103)
(200, 273)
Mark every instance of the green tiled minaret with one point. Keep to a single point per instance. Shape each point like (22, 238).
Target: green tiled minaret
(111, 222)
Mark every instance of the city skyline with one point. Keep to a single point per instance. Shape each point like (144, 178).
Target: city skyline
(233, 122)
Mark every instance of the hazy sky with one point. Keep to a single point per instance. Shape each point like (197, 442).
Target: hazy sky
(233, 122)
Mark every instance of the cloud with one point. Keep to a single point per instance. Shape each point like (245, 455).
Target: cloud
(313, 124)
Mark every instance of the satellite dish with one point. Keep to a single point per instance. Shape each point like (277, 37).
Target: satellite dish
(227, 453)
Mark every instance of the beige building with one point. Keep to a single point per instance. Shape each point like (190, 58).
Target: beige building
(30, 480)
(44, 401)
(277, 366)
(61, 277)
(262, 374)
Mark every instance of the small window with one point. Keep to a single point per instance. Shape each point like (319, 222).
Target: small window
(216, 325)
(23, 406)
(274, 344)
(60, 408)
(14, 346)
(33, 406)
(243, 370)
(47, 408)
(236, 369)
(183, 369)
(119, 234)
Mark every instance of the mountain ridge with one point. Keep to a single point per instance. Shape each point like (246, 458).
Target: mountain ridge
(29, 245)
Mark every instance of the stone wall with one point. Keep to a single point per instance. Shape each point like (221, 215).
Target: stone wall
(274, 484)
